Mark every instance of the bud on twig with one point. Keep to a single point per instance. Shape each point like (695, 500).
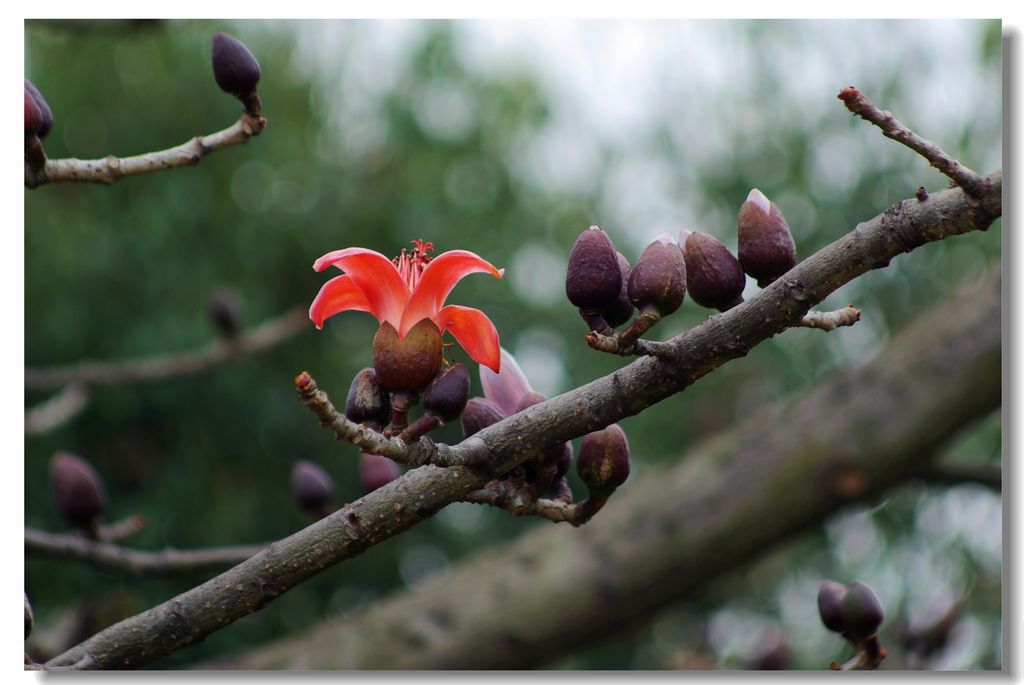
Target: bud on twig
(603, 462)
(862, 613)
(78, 491)
(593, 280)
(658, 281)
(714, 278)
(312, 489)
(367, 401)
(45, 122)
(479, 414)
(376, 471)
(766, 247)
(443, 400)
(830, 605)
(236, 70)
(225, 311)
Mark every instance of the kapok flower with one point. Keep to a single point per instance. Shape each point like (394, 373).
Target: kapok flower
(402, 294)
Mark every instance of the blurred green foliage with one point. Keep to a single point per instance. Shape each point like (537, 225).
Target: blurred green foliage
(126, 271)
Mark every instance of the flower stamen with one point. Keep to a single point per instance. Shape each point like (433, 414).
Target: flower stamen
(411, 264)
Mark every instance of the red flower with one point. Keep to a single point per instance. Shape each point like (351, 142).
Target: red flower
(404, 291)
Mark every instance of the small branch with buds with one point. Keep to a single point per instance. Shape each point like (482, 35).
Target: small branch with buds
(136, 562)
(257, 339)
(57, 410)
(39, 170)
(519, 501)
(419, 453)
(859, 104)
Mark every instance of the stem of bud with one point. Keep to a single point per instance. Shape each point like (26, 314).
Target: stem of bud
(420, 427)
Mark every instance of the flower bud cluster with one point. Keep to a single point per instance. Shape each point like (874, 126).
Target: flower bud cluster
(601, 284)
(851, 610)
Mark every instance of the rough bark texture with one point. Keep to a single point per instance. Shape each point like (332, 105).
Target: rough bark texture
(729, 500)
(419, 493)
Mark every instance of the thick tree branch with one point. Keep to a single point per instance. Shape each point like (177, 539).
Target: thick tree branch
(56, 411)
(262, 337)
(135, 562)
(110, 169)
(859, 104)
(670, 530)
(419, 493)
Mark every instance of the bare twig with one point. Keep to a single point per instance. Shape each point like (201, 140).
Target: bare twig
(419, 453)
(869, 656)
(136, 562)
(859, 104)
(954, 474)
(509, 496)
(257, 339)
(827, 321)
(115, 532)
(110, 169)
(57, 410)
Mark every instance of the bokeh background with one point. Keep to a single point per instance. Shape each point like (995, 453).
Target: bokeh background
(506, 138)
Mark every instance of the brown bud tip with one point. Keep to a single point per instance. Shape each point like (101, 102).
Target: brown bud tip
(848, 93)
(862, 612)
(766, 247)
(45, 113)
(714, 278)
(303, 381)
(603, 462)
(29, 618)
(921, 194)
(830, 604)
(410, 363)
(367, 400)
(78, 491)
(621, 310)
(479, 414)
(312, 488)
(234, 68)
(593, 280)
(659, 277)
(447, 394)
(225, 312)
(376, 471)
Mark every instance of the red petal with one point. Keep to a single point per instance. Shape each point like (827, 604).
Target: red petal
(475, 333)
(376, 276)
(339, 294)
(437, 280)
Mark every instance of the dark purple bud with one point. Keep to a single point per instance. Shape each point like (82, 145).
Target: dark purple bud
(564, 461)
(447, 394)
(225, 311)
(234, 68)
(367, 401)
(312, 488)
(479, 414)
(45, 113)
(407, 364)
(33, 119)
(830, 604)
(78, 490)
(714, 278)
(29, 618)
(766, 247)
(862, 612)
(621, 310)
(593, 280)
(658, 280)
(376, 471)
(603, 462)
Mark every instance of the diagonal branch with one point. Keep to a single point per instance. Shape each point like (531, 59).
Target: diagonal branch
(421, 492)
(57, 410)
(262, 337)
(110, 169)
(135, 562)
(859, 104)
